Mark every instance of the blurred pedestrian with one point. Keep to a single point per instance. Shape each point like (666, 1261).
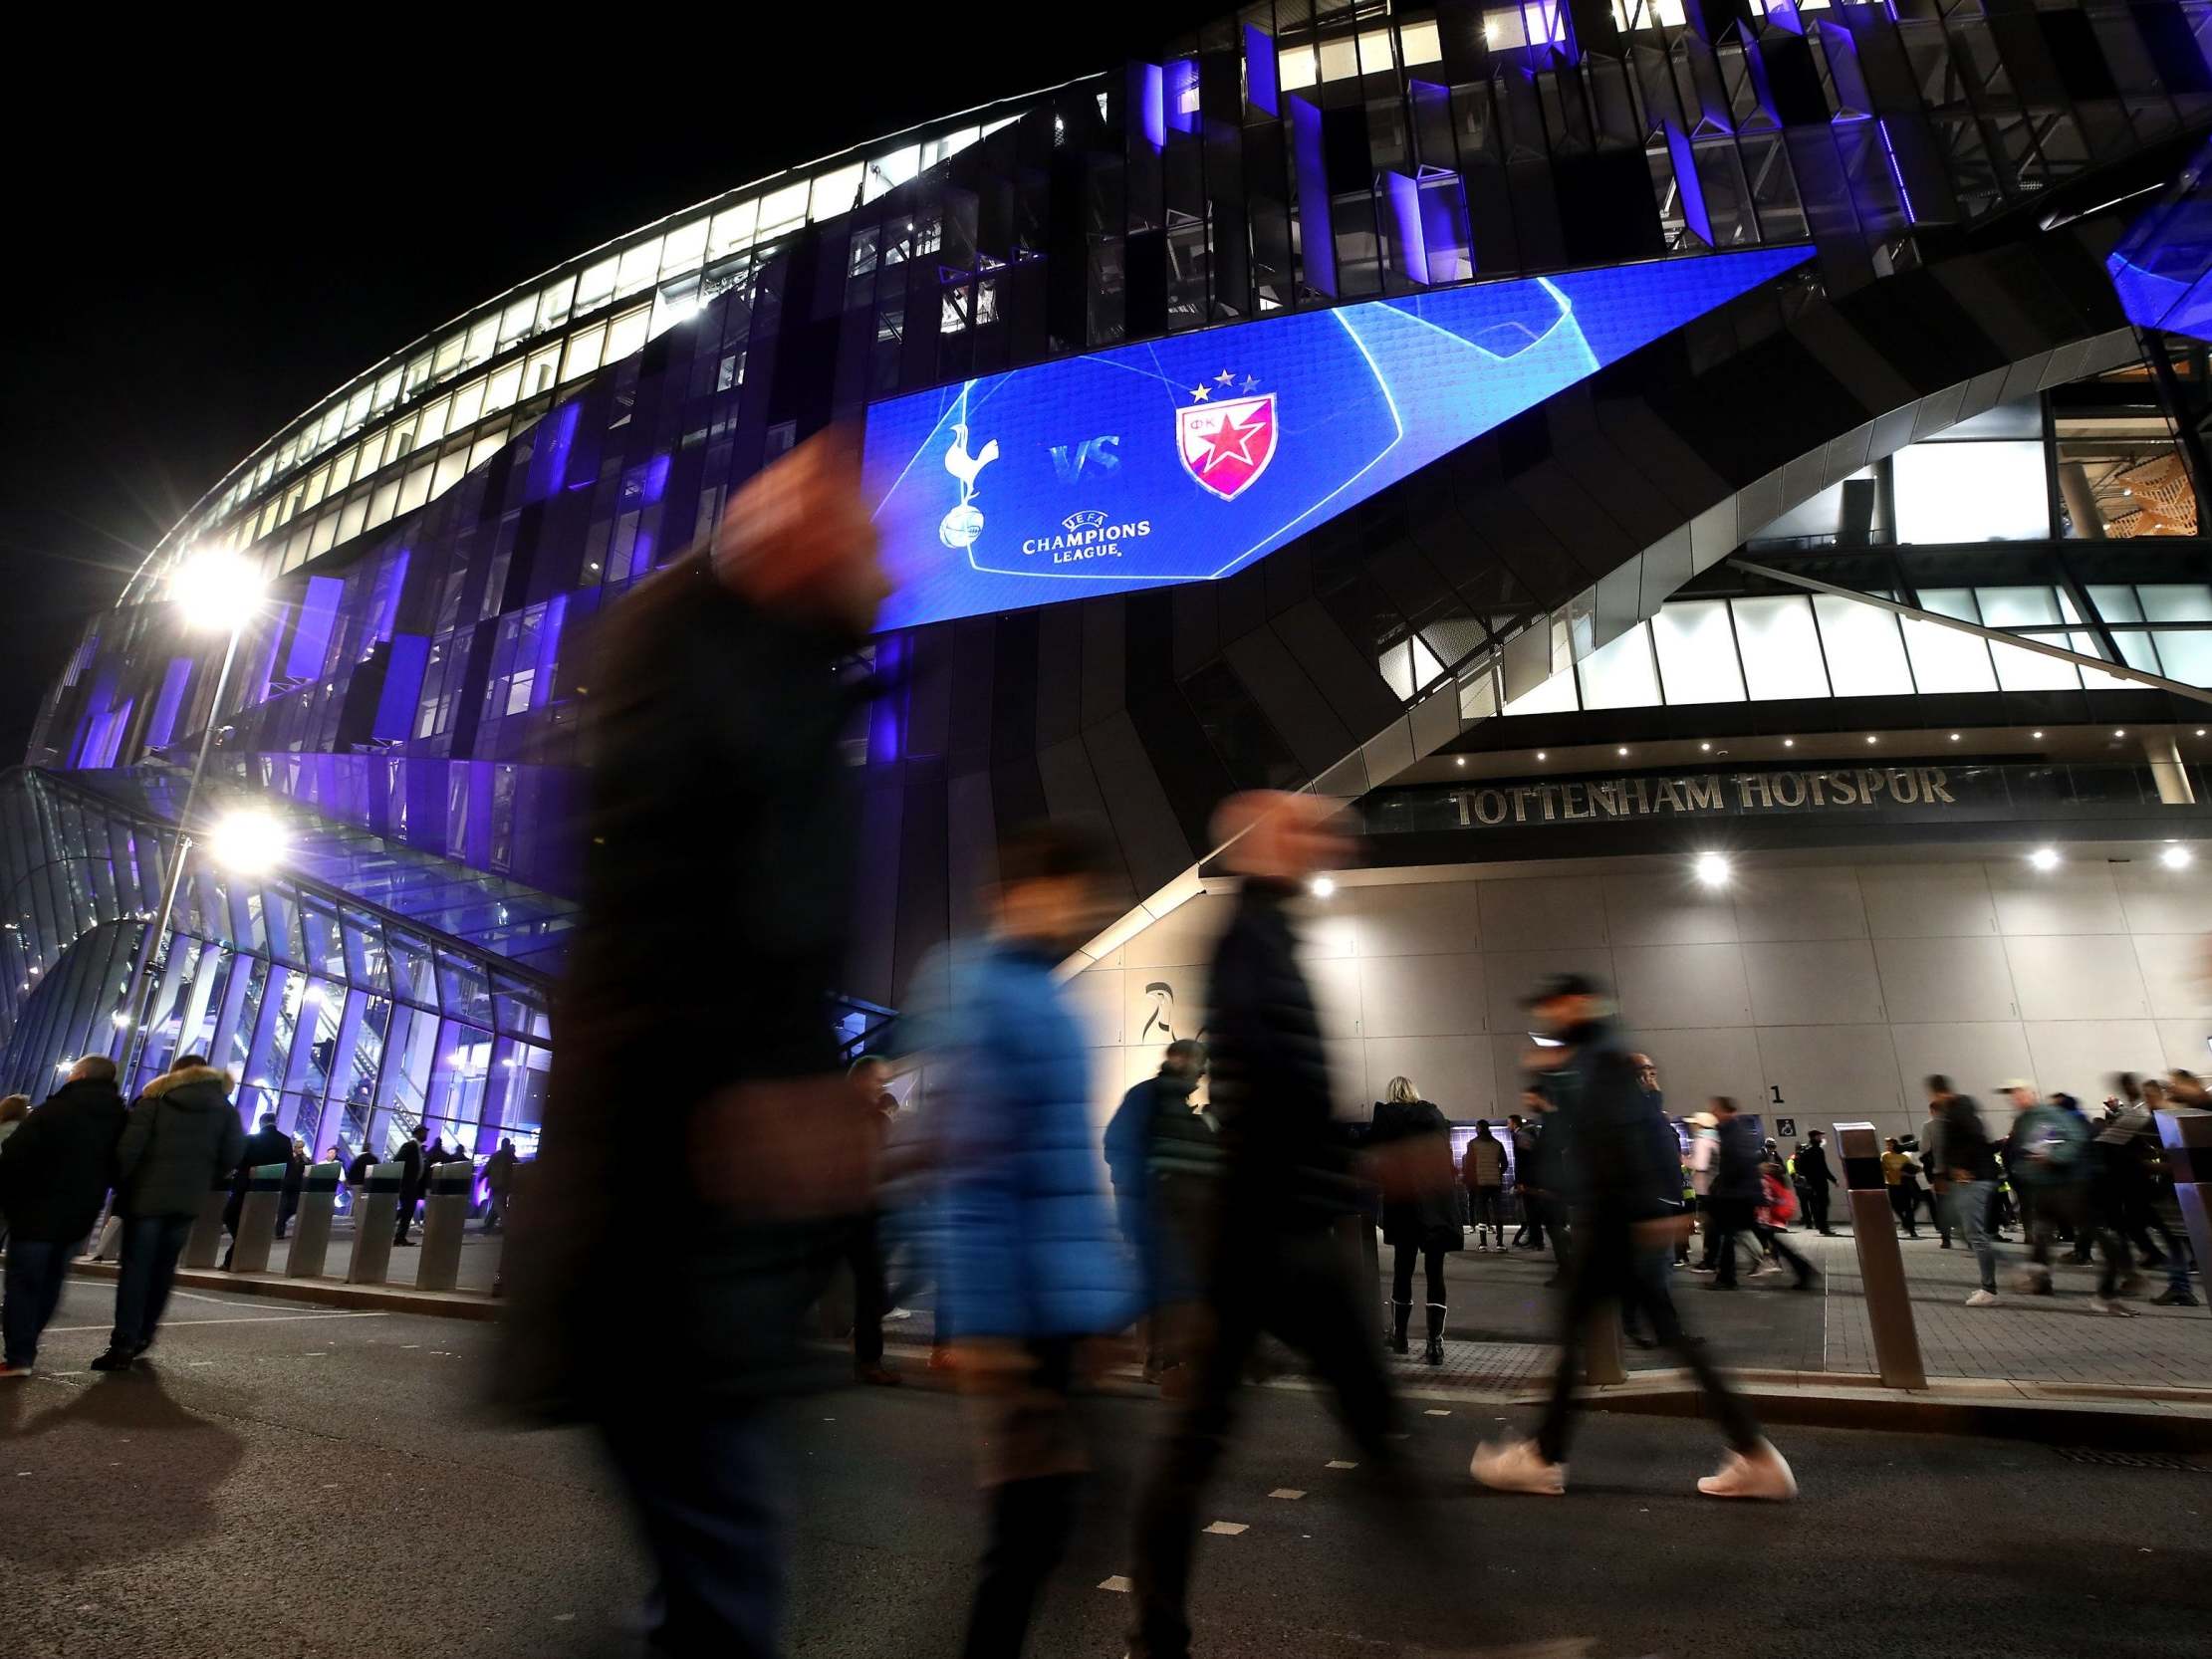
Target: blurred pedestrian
(1901, 1174)
(499, 1183)
(14, 1108)
(266, 1145)
(1814, 1175)
(872, 1099)
(1153, 1115)
(1409, 1146)
(55, 1171)
(1482, 1171)
(182, 1135)
(1970, 1164)
(1625, 1194)
(658, 1286)
(1740, 1192)
(295, 1182)
(1528, 1235)
(1033, 1265)
(414, 1176)
(1935, 1172)
(1281, 1265)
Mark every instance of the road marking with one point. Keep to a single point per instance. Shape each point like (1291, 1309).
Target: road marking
(1290, 1492)
(1435, 1412)
(1118, 1584)
(1229, 1528)
(267, 1319)
(1338, 1462)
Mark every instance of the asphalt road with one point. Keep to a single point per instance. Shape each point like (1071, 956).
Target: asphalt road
(287, 1483)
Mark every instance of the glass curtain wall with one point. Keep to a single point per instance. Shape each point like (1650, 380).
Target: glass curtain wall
(347, 1022)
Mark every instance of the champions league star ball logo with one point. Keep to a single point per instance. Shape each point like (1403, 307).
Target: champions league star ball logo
(1226, 442)
(959, 528)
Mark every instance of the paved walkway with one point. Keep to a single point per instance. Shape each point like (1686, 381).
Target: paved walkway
(1501, 1323)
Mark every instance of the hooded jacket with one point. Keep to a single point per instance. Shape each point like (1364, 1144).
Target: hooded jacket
(181, 1140)
(57, 1167)
(1426, 1216)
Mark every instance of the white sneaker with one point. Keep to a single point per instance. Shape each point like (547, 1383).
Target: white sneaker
(1764, 1475)
(1517, 1466)
(891, 1315)
(2100, 1305)
(1982, 1298)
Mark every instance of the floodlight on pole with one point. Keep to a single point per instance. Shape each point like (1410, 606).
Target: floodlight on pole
(211, 588)
(247, 841)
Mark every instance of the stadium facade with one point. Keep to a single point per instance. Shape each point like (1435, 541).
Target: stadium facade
(1586, 436)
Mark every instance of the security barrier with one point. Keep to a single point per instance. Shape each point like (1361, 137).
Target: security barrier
(375, 1210)
(257, 1218)
(445, 1216)
(205, 1240)
(1881, 1267)
(311, 1232)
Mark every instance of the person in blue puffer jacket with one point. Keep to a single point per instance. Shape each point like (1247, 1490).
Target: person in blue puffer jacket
(1033, 1261)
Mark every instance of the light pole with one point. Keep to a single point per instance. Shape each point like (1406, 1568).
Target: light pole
(212, 590)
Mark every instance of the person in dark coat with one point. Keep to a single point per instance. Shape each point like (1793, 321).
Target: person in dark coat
(295, 1183)
(1816, 1177)
(499, 1184)
(1281, 1265)
(1412, 1140)
(692, 1223)
(1739, 1191)
(1482, 1171)
(180, 1139)
(1153, 1110)
(55, 1171)
(1617, 1174)
(414, 1172)
(266, 1145)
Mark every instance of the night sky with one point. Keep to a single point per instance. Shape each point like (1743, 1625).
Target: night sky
(223, 235)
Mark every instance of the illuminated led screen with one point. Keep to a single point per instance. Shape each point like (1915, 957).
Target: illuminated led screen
(1185, 459)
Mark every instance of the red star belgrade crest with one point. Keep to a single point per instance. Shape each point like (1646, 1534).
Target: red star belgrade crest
(1226, 444)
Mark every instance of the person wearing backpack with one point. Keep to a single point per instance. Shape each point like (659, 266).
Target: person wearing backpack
(2054, 1162)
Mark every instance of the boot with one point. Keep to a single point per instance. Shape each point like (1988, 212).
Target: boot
(1402, 1314)
(1434, 1353)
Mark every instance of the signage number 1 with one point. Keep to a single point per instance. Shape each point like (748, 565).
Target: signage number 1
(1777, 1088)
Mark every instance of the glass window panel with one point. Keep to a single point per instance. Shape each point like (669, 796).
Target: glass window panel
(515, 322)
(486, 446)
(835, 192)
(2176, 601)
(1621, 675)
(387, 392)
(1295, 67)
(1374, 52)
(554, 302)
(1555, 696)
(638, 267)
(382, 504)
(1420, 43)
(431, 426)
(1970, 492)
(683, 249)
(887, 172)
(596, 285)
(1697, 653)
(2187, 656)
(628, 333)
(1865, 655)
(732, 228)
(542, 370)
(1781, 648)
(2116, 603)
(483, 334)
(448, 357)
(451, 467)
(1339, 59)
(468, 403)
(583, 352)
(784, 208)
(501, 390)
(1944, 659)
(2019, 608)
(2019, 669)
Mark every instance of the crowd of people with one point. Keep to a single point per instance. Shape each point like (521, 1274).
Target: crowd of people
(151, 1167)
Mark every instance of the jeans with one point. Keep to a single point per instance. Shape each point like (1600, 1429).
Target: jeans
(35, 1271)
(1939, 1211)
(150, 1247)
(1905, 1204)
(1816, 1202)
(1611, 1267)
(1970, 1202)
(704, 1482)
(1300, 1287)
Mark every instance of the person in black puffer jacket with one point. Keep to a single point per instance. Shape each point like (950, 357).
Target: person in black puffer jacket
(1412, 1149)
(53, 1171)
(182, 1137)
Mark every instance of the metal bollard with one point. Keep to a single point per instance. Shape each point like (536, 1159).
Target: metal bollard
(1882, 1267)
(257, 1218)
(310, 1237)
(2187, 1137)
(376, 1213)
(444, 1220)
(205, 1240)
